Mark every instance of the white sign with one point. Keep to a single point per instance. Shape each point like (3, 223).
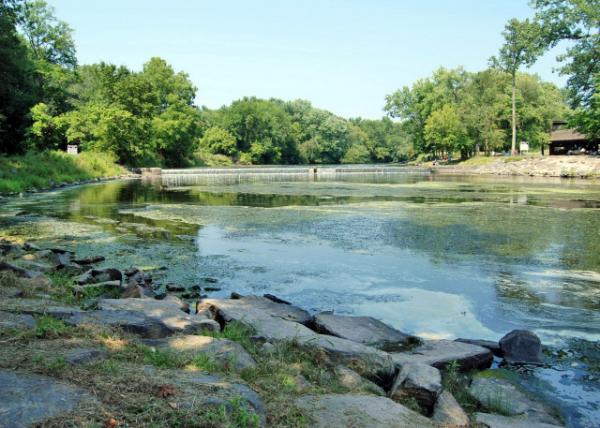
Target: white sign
(524, 146)
(72, 149)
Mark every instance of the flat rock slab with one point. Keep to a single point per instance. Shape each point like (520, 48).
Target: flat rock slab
(438, 353)
(366, 330)
(489, 344)
(9, 321)
(498, 421)
(167, 312)
(80, 356)
(37, 307)
(28, 399)
(493, 393)
(221, 350)
(343, 411)
(254, 307)
(130, 321)
(448, 413)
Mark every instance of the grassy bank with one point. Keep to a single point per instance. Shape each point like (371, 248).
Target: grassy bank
(42, 170)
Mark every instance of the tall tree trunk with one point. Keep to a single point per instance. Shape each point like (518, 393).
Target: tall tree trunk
(513, 151)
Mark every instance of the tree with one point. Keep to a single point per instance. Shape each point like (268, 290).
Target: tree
(578, 23)
(446, 133)
(521, 48)
(219, 141)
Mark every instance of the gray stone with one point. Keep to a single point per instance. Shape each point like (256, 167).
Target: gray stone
(131, 321)
(366, 330)
(448, 413)
(35, 266)
(28, 399)
(132, 291)
(439, 353)
(497, 421)
(175, 287)
(102, 287)
(521, 347)
(489, 344)
(355, 382)
(166, 311)
(9, 320)
(254, 307)
(90, 260)
(79, 356)
(419, 381)
(37, 307)
(343, 411)
(18, 271)
(94, 276)
(220, 350)
(503, 396)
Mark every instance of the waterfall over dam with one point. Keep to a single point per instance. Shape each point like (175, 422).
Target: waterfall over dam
(199, 176)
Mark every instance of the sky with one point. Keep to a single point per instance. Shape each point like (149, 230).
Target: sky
(342, 55)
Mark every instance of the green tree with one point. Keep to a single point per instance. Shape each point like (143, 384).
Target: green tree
(521, 48)
(445, 132)
(576, 22)
(218, 141)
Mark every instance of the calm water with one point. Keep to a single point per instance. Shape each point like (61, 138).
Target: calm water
(440, 257)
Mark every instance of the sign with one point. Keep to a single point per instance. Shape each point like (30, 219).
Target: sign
(524, 146)
(72, 149)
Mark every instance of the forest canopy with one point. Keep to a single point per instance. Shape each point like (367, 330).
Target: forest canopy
(149, 117)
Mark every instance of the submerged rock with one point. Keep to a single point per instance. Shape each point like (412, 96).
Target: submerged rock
(90, 260)
(419, 381)
(27, 399)
(366, 330)
(343, 411)
(521, 347)
(221, 350)
(448, 413)
(498, 421)
(439, 353)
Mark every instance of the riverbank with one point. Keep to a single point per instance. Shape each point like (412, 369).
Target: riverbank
(534, 166)
(52, 169)
(103, 346)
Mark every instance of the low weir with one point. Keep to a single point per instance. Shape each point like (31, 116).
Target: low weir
(199, 176)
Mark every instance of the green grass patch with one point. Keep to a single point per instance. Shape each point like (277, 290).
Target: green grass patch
(457, 383)
(237, 332)
(42, 170)
(48, 327)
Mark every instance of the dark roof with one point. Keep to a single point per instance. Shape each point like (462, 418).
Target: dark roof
(566, 135)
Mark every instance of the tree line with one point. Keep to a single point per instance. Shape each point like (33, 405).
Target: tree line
(148, 117)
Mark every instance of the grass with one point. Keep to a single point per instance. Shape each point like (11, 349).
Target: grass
(43, 170)
(457, 384)
(48, 327)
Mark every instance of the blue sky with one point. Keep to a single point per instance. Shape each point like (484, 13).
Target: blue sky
(343, 55)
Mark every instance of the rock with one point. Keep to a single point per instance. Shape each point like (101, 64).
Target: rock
(448, 413)
(276, 299)
(37, 307)
(130, 321)
(267, 347)
(355, 382)
(439, 353)
(497, 421)
(94, 276)
(10, 249)
(27, 399)
(112, 287)
(29, 246)
(35, 266)
(131, 271)
(80, 356)
(489, 344)
(221, 350)
(90, 260)
(504, 397)
(18, 271)
(419, 381)
(72, 269)
(343, 411)
(182, 304)
(521, 347)
(166, 311)
(366, 330)
(254, 307)
(172, 287)
(210, 280)
(9, 321)
(159, 293)
(132, 291)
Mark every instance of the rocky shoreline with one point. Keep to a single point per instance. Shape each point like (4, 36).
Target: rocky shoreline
(242, 361)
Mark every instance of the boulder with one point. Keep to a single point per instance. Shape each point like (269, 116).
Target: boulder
(132, 291)
(497, 421)
(37, 307)
(172, 287)
(343, 411)
(439, 353)
(79, 356)
(502, 396)
(489, 344)
(131, 321)
(90, 260)
(10, 249)
(167, 312)
(18, 271)
(227, 310)
(355, 382)
(221, 350)
(94, 276)
(521, 347)
(9, 321)
(366, 330)
(27, 399)
(448, 413)
(419, 381)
